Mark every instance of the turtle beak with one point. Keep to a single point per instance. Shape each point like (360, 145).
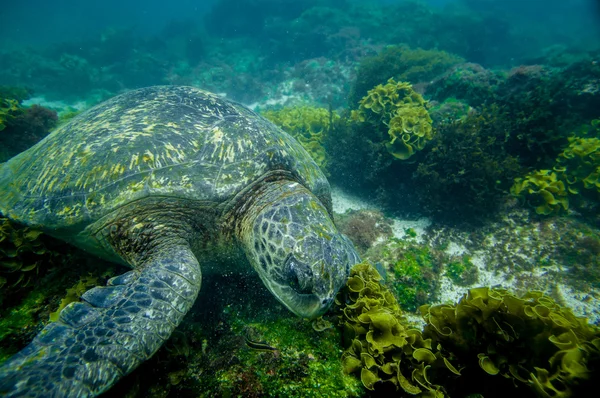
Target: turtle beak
(308, 306)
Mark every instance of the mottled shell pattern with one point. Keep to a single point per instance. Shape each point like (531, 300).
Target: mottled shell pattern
(164, 141)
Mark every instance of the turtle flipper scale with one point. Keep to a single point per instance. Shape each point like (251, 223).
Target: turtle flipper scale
(96, 342)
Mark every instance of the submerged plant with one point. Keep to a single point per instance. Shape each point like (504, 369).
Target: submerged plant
(21, 253)
(544, 190)
(505, 343)
(404, 114)
(380, 347)
(309, 125)
(577, 171)
(580, 162)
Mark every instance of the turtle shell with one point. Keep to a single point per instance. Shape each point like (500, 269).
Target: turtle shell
(168, 141)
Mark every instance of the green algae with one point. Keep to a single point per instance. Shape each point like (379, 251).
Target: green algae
(309, 125)
(305, 363)
(505, 343)
(414, 268)
(18, 322)
(400, 110)
(462, 271)
(381, 348)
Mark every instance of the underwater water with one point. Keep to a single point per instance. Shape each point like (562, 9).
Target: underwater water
(454, 143)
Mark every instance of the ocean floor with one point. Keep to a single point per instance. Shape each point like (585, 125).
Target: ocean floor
(515, 253)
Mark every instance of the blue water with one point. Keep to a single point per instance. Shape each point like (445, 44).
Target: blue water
(106, 35)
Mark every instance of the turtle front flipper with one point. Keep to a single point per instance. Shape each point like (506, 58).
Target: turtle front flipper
(117, 327)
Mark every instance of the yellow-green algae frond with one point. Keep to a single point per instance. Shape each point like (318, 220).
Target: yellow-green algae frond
(402, 111)
(544, 190)
(529, 341)
(379, 346)
(580, 162)
(21, 253)
(308, 124)
(576, 171)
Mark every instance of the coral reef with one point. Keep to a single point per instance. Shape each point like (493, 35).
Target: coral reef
(402, 111)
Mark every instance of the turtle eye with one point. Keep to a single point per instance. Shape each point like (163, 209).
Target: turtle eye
(299, 275)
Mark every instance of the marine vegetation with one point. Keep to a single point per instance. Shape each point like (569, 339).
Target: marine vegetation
(20, 126)
(468, 82)
(544, 190)
(400, 110)
(535, 99)
(21, 254)
(467, 170)
(241, 343)
(33, 269)
(400, 63)
(491, 343)
(414, 270)
(504, 344)
(364, 227)
(576, 172)
(580, 163)
(8, 109)
(380, 347)
(462, 271)
(308, 124)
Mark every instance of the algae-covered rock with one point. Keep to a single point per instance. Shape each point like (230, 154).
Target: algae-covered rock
(576, 171)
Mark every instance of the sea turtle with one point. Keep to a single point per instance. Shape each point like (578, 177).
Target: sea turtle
(164, 179)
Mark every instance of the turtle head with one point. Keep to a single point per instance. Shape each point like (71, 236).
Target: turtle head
(296, 249)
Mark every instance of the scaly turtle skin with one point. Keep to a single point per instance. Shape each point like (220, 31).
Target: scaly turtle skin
(164, 179)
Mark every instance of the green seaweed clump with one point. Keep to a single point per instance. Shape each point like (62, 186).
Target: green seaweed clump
(379, 346)
(8, 109)
(18, 323)
(308, 125)
(74, 293)
(576, 171)
(544, 190)
(462, 272)
(504, 343)
(21, 253)
(401, 63)
(402, 111)
(414, 269)
(580, 162)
